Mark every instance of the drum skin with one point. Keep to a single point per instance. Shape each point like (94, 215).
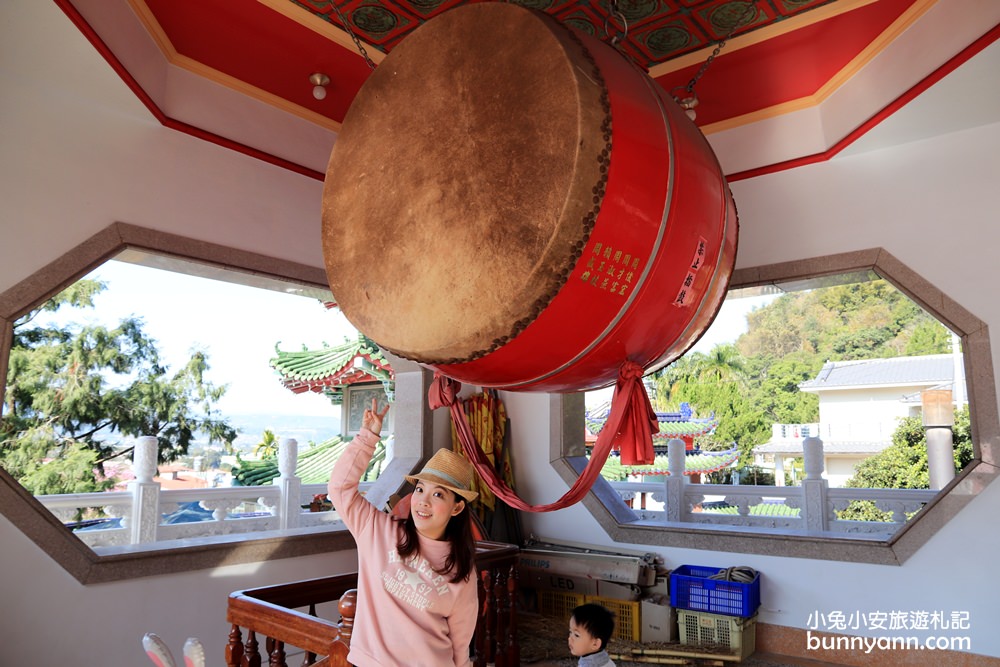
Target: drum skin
(516, 205)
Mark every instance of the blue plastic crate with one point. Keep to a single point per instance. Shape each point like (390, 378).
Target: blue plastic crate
(691, 588)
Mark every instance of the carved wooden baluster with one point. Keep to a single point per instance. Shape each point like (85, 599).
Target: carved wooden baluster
(310, 658)
(251, 656)
(513, 648)
(348, 606)
(339, 648)
(477, 636)
(234, 649)
(486, 617)
(276, 654)
(502, 635)
(491, 618)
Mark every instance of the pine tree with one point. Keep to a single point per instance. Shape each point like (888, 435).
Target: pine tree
(74, 393)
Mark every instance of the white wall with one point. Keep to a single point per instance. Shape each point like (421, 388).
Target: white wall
(932, 205)
(51, 619)
(839, 469)
(866, 414)
(79, 152)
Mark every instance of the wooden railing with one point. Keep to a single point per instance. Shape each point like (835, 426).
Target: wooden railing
(285, 615)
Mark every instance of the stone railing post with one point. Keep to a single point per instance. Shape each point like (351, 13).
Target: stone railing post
(144, 519)
(289, 504)
(676, 480)
(814, 487)
(779, 470)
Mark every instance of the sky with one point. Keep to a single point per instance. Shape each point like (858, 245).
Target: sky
(729, 324)
(238, 327)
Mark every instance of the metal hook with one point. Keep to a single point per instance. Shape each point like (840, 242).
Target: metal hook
(613, 11)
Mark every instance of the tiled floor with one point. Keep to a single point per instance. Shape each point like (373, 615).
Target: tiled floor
(543, 644)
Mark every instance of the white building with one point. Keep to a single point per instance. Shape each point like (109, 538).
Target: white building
(860, 405)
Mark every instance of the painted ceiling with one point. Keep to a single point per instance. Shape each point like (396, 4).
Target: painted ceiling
(752, 60)
(791, 47)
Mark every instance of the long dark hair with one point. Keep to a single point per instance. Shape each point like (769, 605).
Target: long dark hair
(458, 533)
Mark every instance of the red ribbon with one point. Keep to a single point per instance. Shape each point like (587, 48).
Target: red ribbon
(632, 422)
(630, 411)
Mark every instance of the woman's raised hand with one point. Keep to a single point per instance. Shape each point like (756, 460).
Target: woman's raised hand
(372, 419)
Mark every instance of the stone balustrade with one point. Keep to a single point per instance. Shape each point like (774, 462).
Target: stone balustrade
(811, 508)
(146, 513)
(137, 516)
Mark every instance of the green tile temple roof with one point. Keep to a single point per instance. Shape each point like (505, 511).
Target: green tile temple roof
(696, 462)
(681, 424)
(329, 369)
(313, 465)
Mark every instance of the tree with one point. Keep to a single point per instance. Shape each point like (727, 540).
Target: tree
(903, 464)
(928, 337)
(75, 392)
(716, 383)
(721, 365)
(861, 320)
(778, 394)
(267, 448)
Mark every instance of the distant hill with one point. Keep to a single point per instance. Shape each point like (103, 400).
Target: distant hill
(314, 428)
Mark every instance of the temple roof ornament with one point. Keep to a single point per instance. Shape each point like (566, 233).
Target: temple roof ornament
(329, 370)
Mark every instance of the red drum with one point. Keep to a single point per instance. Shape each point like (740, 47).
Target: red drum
(516, 205)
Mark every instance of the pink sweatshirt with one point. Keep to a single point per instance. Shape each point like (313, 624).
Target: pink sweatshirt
(407, 613)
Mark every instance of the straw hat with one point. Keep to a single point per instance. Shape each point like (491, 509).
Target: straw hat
(450, 470)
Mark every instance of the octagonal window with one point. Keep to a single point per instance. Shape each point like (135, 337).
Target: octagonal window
(150, 398)
(835, 405)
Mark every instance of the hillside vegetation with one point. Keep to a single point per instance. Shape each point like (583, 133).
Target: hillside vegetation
(753, 382)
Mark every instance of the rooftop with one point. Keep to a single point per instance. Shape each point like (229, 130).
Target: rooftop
(331, 368)
(926, 370)
(832, 447)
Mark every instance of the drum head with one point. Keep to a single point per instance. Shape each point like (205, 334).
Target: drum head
(458, 192)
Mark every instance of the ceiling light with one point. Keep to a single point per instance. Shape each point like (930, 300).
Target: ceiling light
(319, 82)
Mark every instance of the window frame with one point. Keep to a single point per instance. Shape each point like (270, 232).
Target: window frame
(88, 566)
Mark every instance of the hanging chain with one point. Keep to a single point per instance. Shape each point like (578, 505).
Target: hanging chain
(613, 11)
(749, 12)
(357, 42)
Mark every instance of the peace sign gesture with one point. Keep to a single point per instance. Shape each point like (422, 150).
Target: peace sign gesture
(372, 419)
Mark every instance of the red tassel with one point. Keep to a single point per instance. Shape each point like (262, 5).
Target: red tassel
(632, 422)
(629, 427)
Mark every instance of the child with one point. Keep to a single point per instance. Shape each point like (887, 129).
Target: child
(590, 628)
(417, 595)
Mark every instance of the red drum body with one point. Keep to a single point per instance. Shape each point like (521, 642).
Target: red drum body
(516, 205)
